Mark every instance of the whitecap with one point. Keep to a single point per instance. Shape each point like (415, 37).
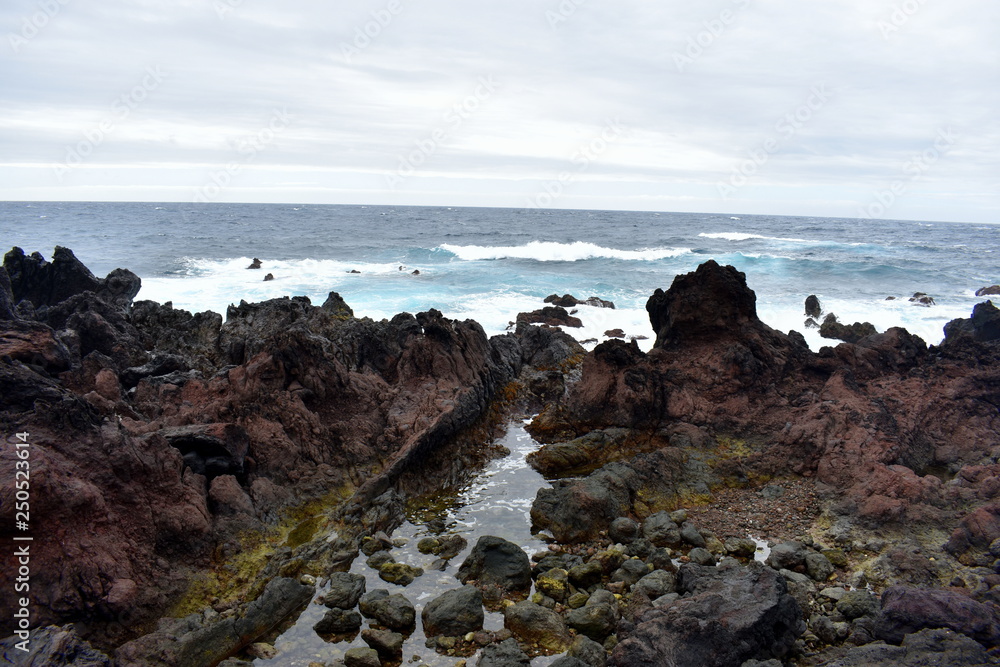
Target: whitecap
(551, 251)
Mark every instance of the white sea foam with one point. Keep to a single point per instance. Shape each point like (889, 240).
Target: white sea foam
(551, 251)
(742, 236)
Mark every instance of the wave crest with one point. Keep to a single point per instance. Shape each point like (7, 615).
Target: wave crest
(552, 251)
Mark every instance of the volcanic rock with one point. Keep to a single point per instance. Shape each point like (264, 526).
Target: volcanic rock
(52, 647)
(554, 316)
(50, 283)
(345, 590)
(907, 610)
(454, 613)
(988, 291)
(503, 654)
(496, 562)
(813, 308)
(927, 648)
(535, 624)
(850, 333)
(731, 614)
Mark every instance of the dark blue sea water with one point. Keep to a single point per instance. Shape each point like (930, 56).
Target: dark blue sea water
(489, 264)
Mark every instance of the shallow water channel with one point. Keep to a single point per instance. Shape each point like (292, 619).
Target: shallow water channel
(497, 501)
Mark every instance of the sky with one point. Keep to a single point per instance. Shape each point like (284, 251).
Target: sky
(854, 108)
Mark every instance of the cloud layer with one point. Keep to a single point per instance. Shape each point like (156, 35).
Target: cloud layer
(849, 109)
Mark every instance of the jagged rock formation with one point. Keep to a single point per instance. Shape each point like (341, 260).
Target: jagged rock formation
(159, 437)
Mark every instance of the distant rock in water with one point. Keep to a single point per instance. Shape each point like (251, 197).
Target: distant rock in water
(415, 272)
(922, 299)
(568, 301)
(813, 308)
(987, 291)
(614, 333)
(255, 264)
(269, 277)
(849, 333)
(554, 316)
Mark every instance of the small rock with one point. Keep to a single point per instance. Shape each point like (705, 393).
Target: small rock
(269, 277)
(399, 573)
(362, 657)
(854, 604)
(255, 264)
(262, 651)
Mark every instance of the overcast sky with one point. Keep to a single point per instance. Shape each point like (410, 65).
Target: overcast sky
(851, 108)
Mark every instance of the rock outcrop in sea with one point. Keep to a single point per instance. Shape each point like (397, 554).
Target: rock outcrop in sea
(207, 473)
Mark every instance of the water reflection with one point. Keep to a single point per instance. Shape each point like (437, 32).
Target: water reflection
(497, 501)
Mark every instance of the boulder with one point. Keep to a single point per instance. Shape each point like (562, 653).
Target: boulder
(970, 542)
(623, 530)
(393, 611)
(497, 562)
(588, 652)
(577, 510)
(503, 654)
(927, 648)
(361, 657)
(345, 589)
(849, 333)
(988, 291)
(553, 316)
(813, 307)
(661, 530)
(399, 573)
(454, 613)
(338, 621)
(983, 326)
(728, 615)
(598, 618)
(907, 610)
(388, 644)
(534, 624)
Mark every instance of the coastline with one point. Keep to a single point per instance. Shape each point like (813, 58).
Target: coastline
(224, 428)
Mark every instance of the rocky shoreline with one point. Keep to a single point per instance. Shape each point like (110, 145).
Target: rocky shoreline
(198, 478)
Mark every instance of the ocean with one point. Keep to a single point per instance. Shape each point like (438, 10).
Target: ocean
(489, 264)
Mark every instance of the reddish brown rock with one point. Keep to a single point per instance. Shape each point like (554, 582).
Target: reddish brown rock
(872, 420)
(554, 316)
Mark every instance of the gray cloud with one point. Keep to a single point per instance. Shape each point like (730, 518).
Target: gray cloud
(700, 89)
